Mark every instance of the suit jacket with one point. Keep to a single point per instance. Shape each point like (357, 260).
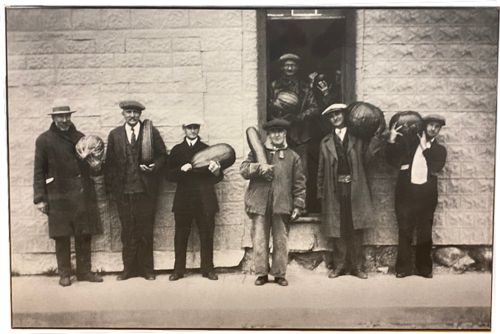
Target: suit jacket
(116, 161)
(195, 188)
(359, 155)
(63, 181)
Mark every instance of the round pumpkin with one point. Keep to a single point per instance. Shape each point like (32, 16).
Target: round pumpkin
(364, 119)
(287, 99)
(223, 153)
(91, 149)
(411, 124)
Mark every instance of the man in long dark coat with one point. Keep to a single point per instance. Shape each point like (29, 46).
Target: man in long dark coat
(416, 193)
(195, 199)
(134, 181)
(344, 190)
(63, 190)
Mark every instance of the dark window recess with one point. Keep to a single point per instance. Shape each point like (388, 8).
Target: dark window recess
(320, 41)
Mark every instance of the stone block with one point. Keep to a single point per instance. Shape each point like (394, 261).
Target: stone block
(75, 46)
(228, 237)
(107, 262)
(160, 45)
(86, 19)
(186, 58)
(249, 17)
(477, 202)
(230, 214)
(217, 61)
(115, 18)
(215, 18)
(30, 236)
(23, 19)
(472, 85)
(30, 47)
(157, 60)
(16, 63)
(222, 39)
(186, 74)
(84, 61)
(221, 106)
(80, 76)
(308, 260)
(186, 44)
(229, 83)
(478, 169)
(142, 18)
(110, 45)
(223, 127)
(31, 77)
(32, 264)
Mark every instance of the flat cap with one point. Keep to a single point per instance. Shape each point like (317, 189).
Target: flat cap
(289, 56)
(130, 104)
(60, 110)
(435, 118)
(188, 120)
(277, 123)
(334, 107)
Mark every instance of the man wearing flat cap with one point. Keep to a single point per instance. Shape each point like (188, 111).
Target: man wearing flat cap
(344, 191)
(195, 199)
(291, 98)
(63, 190)
(275, 195)
(134, 160)
(416, 194)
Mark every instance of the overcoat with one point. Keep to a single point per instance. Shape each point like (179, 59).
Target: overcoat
(116, 161)
(288, 187)
(63, 181)
(359, 154)
(192, 186)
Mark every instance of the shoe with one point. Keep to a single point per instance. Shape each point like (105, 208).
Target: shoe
(428, 275)
(175, 277)
(90, 277)
(336, 273)
(359, 274)
(124, 276)
(402, 275)
(281, 281)
(211, 276)
(149, 277)
(64, 281)
(261, 280)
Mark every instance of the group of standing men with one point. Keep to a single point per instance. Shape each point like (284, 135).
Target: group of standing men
(276, 195)
(64, 190)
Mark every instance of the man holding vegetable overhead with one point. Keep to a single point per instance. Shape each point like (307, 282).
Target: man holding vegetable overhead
(194, 199)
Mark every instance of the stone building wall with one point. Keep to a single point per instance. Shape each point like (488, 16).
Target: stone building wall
(204, 63)
(176, 62)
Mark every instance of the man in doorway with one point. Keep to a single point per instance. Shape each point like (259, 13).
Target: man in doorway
(346, 202)
(134, 184)
(416, 194)
(292, 99)
(276, 194)
(195, 199)
(64, 191)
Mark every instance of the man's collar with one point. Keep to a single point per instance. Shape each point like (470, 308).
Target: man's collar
(136, 127)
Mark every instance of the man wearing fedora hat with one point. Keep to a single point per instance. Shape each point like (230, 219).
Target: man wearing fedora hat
(344, 191)
(275, 195)
(63, 190)
(195, 199)
(416, 193)
(133, 180)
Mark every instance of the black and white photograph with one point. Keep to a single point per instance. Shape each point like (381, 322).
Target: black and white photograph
(297, 168)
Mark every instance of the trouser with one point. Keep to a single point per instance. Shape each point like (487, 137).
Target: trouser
(137, 213)
(206, 225)
(262, 227)
(348, 249)
(415, 205)
(82, 252)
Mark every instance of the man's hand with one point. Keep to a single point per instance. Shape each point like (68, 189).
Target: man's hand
(394, 133)
(214, 167)
(267, 171)
(186, 167)
(147, 169)
(295, 214)
(43, 207)
(423, 141)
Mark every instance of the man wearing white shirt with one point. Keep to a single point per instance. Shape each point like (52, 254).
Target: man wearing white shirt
(416, 194)
(343, 187)
(133, 178)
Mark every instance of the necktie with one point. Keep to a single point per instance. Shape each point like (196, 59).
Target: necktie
(132, 137)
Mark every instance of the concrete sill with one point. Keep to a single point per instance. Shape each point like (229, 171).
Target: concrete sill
(311, 218)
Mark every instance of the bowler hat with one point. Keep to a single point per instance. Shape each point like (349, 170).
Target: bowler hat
(60, 110)
(435, 118)
(131, 105)
(334, 107)
(277, 123)
(289, 56)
